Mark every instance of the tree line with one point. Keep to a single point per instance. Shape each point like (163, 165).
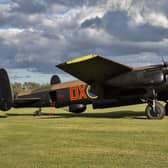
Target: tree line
(20, 87)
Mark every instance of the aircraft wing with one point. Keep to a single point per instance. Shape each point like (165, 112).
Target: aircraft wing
(93, 68)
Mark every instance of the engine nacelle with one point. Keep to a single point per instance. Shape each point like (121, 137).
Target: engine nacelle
(77, 108)
(138, 78)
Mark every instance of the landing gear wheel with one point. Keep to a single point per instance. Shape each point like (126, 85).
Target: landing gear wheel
(166, 109)
(157, 113)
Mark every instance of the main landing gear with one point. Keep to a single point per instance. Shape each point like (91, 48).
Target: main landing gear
(154, 109)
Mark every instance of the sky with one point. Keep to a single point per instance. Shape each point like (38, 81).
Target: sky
(36, 35)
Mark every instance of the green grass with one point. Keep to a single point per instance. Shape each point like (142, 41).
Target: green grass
(118, 138)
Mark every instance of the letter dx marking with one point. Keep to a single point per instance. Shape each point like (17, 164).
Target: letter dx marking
(77, 92)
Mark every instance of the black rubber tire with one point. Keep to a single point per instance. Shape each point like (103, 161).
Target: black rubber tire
(166, 109)
(158, 115)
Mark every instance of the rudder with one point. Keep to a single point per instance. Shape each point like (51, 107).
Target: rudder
(6, 97)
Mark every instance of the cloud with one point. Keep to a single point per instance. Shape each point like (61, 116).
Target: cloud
(28, 7)
(37, 35)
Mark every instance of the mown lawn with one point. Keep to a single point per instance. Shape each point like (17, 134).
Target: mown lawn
(110, 138)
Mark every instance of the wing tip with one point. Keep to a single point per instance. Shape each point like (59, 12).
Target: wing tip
(81, 59)
(77, 60)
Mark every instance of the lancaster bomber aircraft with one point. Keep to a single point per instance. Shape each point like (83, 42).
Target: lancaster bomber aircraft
(103, 83)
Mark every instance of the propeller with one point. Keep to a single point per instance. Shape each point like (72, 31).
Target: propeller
(165, 64)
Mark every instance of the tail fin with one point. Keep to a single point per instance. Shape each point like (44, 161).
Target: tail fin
(6, 97)
(55, 80)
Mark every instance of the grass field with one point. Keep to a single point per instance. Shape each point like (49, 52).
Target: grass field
(110, 138)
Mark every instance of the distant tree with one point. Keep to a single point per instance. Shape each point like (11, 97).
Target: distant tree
(19, 87)
(45, 85)
(30, 85)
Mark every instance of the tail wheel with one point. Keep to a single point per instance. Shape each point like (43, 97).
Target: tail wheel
(157, 112)
(166, 109)
(38, 112)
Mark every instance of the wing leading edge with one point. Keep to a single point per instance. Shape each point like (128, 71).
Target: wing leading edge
(93, 68)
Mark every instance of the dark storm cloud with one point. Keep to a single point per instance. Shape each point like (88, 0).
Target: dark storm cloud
(118, 24)
(94, 22)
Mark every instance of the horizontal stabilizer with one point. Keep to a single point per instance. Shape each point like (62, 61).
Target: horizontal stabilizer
(21, 102)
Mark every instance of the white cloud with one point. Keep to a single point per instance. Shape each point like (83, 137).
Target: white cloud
(157, 19)
(41, 34)
(10, 33)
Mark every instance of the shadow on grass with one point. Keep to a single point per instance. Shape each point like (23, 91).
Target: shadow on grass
(28, 114)
(108, 115)
(3, 116)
